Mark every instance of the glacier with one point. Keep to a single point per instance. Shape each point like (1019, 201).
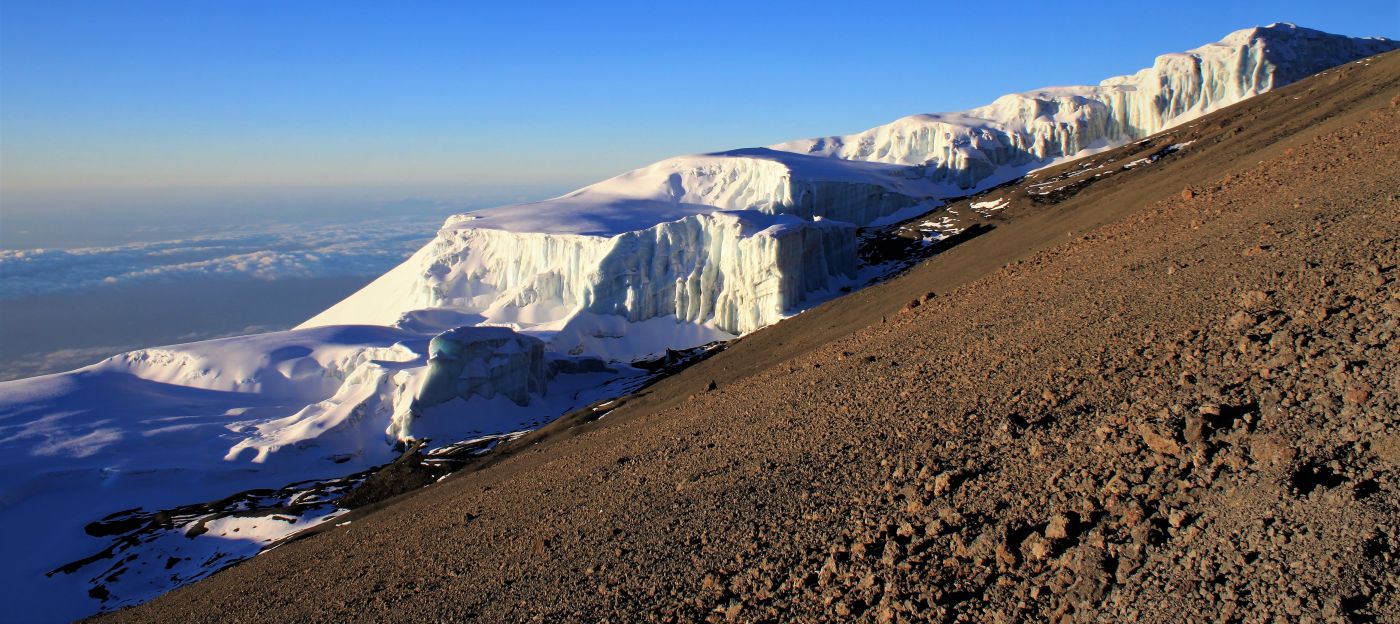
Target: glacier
(1023, 131)
(512, 316)
(730, 240)
(632, 246)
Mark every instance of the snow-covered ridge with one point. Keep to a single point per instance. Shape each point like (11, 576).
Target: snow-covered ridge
(1021, 131)
(647, 244)
(282, 365)
(758, 179)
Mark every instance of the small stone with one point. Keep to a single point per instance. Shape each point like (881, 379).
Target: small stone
(1058, 527)
(1271, 449)
(1188, 194)
(884, 615)
(1132, 514)
(1177, 518)
(942, 483)
(1005, 556)
(1158, 442)
(1195, 428)
(1240, 320)
(1254, 298)
(1356, 396)
(1036, 547)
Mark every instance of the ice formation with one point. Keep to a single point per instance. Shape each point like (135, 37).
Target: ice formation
(731, 240)
(1023, 131)
(734, 270)
(482, 361)
(679, 239)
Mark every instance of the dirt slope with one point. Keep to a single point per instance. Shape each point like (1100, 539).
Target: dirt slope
(1139, 403)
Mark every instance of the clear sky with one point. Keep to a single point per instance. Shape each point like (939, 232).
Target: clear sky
(251, 94)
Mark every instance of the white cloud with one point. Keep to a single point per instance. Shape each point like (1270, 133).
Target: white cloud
(366, 248)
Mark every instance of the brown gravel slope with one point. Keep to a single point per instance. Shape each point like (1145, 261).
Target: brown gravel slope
(1190, 412)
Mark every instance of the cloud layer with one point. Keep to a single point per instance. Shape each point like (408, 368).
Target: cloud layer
(366, 248)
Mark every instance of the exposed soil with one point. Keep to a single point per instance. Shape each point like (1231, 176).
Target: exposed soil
(1172, 394)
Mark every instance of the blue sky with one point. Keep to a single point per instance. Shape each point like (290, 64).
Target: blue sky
(422, 95)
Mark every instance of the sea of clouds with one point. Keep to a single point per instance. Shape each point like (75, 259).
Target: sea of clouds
(274, 251)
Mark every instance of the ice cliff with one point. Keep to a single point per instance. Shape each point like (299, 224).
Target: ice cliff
(482, 361)
(1022, 131)
(730, 241)
(360, 382)
(691, 239)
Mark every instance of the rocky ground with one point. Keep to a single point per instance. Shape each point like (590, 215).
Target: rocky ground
(1169, 397)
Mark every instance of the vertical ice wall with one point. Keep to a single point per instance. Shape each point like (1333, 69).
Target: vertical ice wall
(1025, 130)
(648, 244)
(736, 270)
(482, 361)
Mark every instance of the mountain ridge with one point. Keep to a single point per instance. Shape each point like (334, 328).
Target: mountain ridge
(204, 416)
(1127, 402)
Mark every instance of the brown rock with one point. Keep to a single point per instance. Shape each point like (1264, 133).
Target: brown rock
(1058, 527)
(1036, 547)
(1177, 518)
(942, 483)
(1005, 555)
(1271, 449)
(1091, 574)
(1158, 442)
(884, 615)
(1387, 448)
(1194, 430)
(1254, 298)
(891, 554)
(732, 613)
(1132, 514)
(1241, 320)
